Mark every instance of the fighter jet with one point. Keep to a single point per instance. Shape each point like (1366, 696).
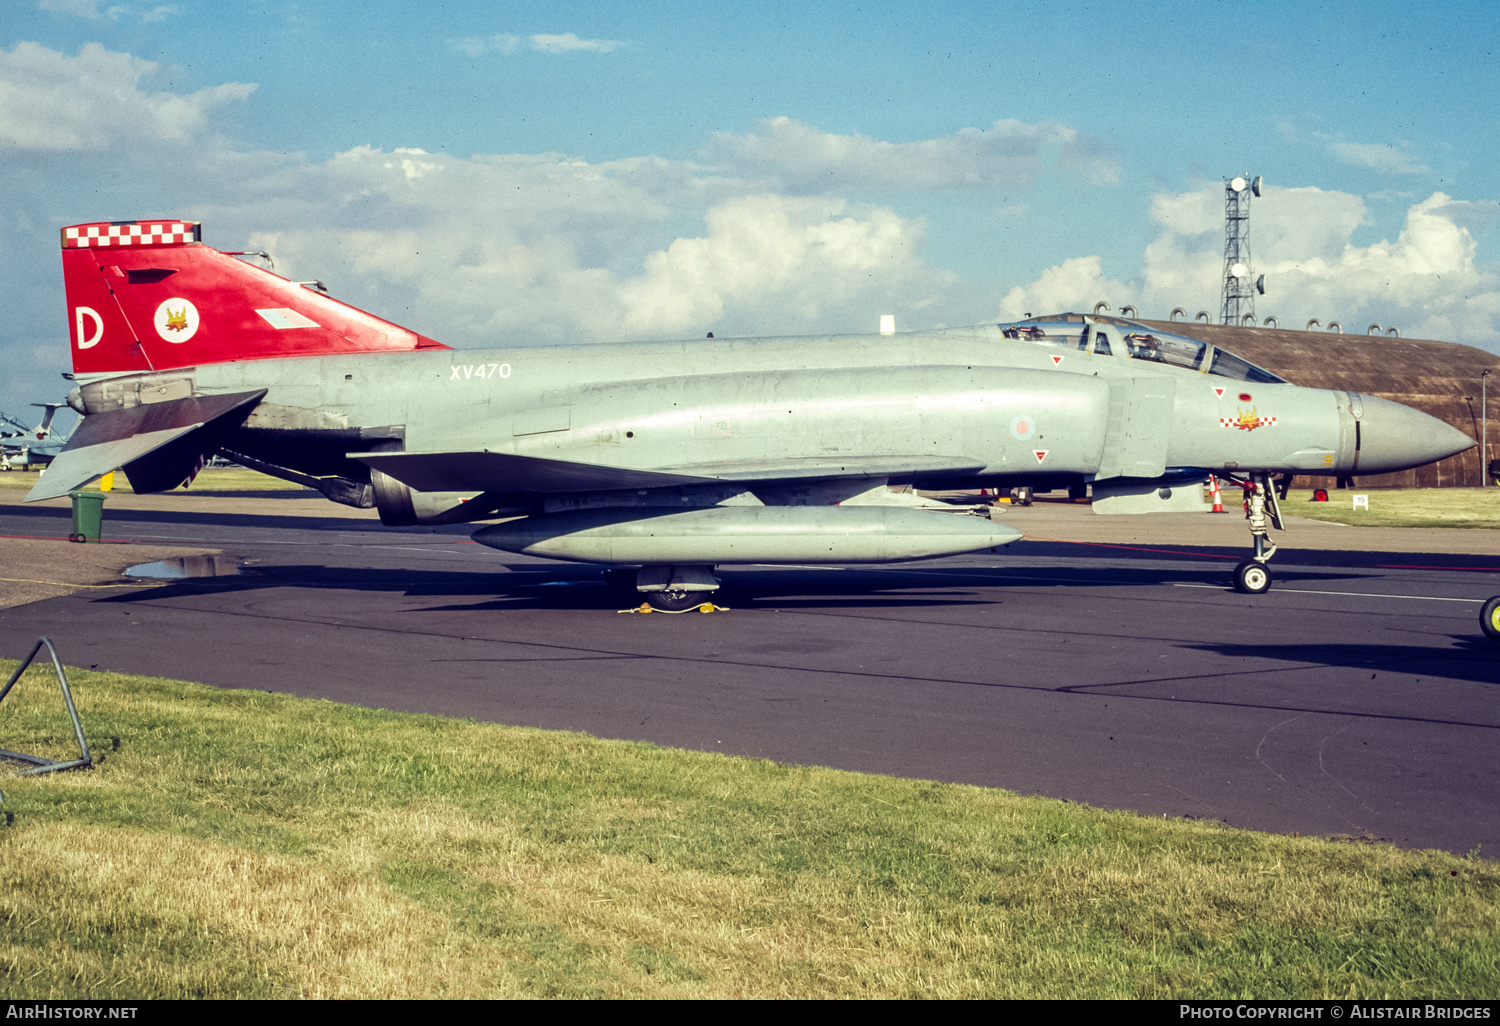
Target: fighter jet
(35, 447)
(670, 458)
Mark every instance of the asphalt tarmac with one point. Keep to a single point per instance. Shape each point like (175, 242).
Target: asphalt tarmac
(1358, 698)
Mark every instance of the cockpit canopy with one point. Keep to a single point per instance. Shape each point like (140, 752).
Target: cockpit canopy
(1136, 342)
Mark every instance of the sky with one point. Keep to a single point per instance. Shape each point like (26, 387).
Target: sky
(492, 174)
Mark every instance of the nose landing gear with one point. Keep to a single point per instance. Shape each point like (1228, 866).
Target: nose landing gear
(1253, 576)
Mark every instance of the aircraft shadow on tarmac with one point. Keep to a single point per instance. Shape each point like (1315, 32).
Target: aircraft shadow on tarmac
(1287, 559)
(117, 521)
(573, 588)
(1473, 658)
(564, 587)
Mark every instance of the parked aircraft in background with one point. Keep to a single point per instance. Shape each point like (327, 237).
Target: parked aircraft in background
(673, 457)
(30, 447)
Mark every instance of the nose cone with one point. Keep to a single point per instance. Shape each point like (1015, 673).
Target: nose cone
(1396, 437)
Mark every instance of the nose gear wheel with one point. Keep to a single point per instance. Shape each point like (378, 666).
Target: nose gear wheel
(1252, 578)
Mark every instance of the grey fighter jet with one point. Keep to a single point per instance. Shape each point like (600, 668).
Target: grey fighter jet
(675, 457)
(30, 447)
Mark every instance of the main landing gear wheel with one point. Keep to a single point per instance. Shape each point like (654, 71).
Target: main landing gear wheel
(675, 601)
(1489, 619)
(1252, 578)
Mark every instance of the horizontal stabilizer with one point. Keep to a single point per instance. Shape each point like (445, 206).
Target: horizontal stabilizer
(508, 472)
(108, 441)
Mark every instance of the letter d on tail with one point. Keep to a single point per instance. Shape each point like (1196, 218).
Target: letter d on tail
(86, 341)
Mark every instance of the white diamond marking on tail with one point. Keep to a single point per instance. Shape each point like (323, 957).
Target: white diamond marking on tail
(284, 317)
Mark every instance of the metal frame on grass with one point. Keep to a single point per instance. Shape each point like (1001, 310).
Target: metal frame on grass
(39, 764)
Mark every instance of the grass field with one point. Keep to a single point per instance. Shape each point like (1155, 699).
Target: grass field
(208, 482)
(240, 843)
(1402, 507)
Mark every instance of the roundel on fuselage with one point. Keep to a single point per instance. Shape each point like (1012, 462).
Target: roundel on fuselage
(176, 320)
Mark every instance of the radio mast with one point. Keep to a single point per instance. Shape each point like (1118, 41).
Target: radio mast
(1240, 285)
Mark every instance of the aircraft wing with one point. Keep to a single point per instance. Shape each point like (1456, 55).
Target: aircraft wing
(107, 441)
(509, 472)
(506, 472)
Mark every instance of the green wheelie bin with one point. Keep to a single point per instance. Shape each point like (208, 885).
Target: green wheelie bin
(88, 516)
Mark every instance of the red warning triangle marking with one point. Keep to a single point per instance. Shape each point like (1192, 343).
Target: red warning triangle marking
(1056, 361)
(1218, 392)
(1040, 454)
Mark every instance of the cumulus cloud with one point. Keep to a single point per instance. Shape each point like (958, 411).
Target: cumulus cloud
(808, 253)
(1475, 216)
(480, 248)
(506, 44)
(50, 101)
(1076, 284)
(1428, 281)
(1304, 223)
(1010, 153)
(549, 248)
(1189, 213)
(1183, 264)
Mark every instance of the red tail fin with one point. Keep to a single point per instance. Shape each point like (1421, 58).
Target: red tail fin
(148, 295)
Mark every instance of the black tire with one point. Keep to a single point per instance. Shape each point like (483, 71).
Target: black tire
(1489, 619)
(676, 601)
(1252, 578)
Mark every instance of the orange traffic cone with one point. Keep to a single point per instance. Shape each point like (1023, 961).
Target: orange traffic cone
(1213, 491)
